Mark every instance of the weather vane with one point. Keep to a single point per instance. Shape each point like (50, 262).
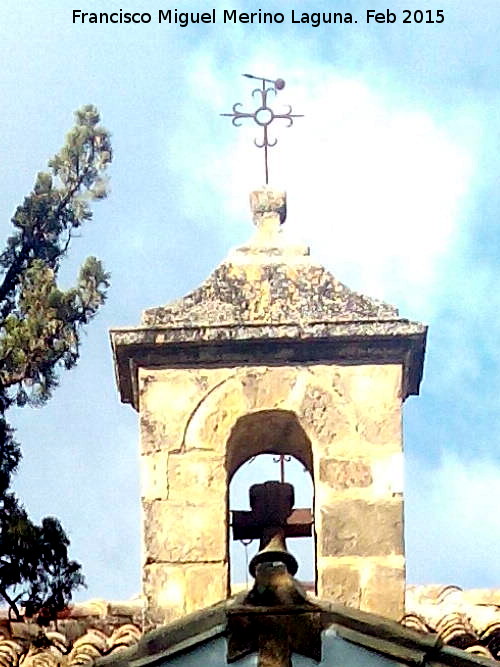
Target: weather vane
(263, 115)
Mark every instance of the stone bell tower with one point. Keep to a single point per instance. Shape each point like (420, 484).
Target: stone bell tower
(270, 354)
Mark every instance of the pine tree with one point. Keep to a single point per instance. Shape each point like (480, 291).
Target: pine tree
(40, 330)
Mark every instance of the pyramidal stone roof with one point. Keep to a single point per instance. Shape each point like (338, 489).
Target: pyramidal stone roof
(269, 281)
(270, 290)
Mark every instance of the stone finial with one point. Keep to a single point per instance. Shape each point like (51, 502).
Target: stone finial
(268, 210)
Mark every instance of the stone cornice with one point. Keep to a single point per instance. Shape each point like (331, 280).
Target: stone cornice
(398, 342)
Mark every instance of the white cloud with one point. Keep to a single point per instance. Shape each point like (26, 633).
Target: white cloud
(376, 187)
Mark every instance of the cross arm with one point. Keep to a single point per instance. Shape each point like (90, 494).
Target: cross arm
(245, 526)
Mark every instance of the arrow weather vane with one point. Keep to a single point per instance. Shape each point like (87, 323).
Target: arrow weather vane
(263, 115)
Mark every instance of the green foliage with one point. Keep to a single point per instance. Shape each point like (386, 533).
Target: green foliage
(40, 323)
(10, 456)
(35, 570)
(40, 330)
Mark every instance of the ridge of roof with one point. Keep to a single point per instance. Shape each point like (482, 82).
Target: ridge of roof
(462, 626)
(362, 628)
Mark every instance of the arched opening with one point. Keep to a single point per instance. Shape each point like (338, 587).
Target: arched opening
(267, 432)
(254, 448)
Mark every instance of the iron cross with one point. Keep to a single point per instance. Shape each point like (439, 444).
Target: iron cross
(276, 514)
(263, 115)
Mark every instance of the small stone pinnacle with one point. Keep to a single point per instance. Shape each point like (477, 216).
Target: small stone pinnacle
(268, 210)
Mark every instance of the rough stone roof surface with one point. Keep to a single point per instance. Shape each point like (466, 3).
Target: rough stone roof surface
(270, 288)
(468, 620)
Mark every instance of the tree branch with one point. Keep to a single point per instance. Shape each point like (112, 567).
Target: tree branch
(12, 277)
(13, 606)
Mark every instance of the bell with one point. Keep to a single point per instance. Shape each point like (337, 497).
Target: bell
(274, 552)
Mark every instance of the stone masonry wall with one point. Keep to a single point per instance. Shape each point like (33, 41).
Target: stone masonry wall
(197, 427)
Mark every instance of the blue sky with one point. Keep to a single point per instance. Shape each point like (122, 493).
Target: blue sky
(392, 178)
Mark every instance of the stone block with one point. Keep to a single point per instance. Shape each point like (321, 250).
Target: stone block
(384, 591)
(206, 584)
(354, 527)
(373, 387)
(341, 474)
(381, 428)
(169, 397)
(340, 583)
(154, 481)
(211, 423)
(268, 200)
(197, 478)
(170, 390)
(153, 436)
(326, 418)
(171, 591)
(164, 587)
(268, 388)
(178, 533)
